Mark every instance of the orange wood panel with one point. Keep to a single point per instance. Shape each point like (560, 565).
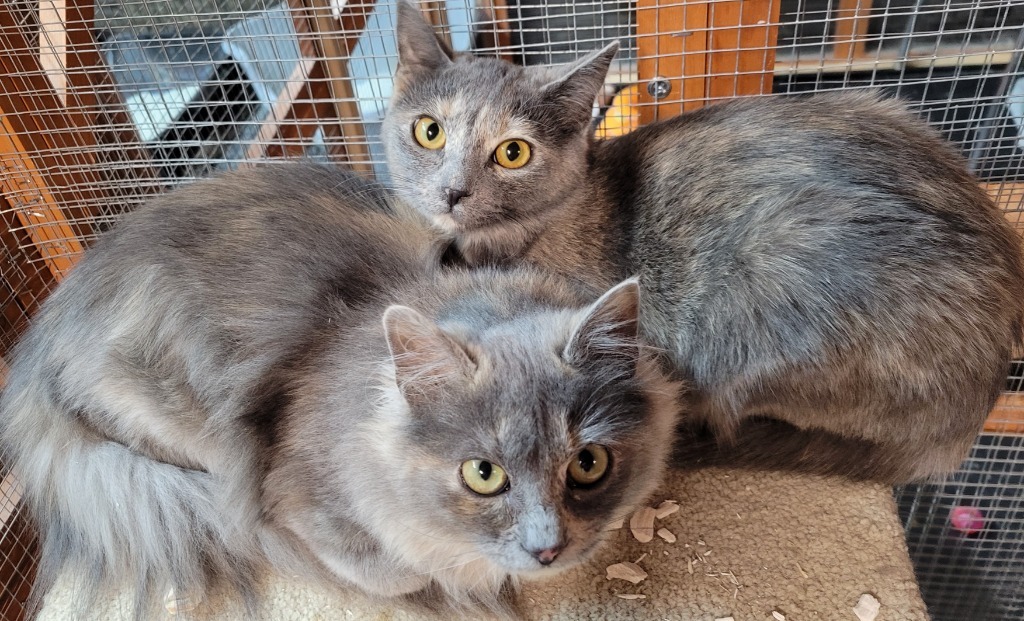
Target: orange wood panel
(850, 29)
(36, 208)
(742, 39)
(672, 41)
(1008, 415)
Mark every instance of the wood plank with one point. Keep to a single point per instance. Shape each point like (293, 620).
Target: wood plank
(1008, 415)
(53, 42)
(496, 31)
(37, 210)
(672, 43)
(280, 111)
(436, 15)
(69, 153)
(124, 162)
(25, 279)
(334, 39)
(742, 47)
(1009, 196)
(850, 29)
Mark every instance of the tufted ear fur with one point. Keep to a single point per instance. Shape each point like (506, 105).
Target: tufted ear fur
(424, 355)
(608, 330)
(581, 81)
(420, 50)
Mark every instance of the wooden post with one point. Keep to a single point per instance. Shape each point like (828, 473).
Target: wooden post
(672, 40)
(437, 16)
(498, 34)
(851, 27)
(742, 47)
(331, 42)
(704, 50)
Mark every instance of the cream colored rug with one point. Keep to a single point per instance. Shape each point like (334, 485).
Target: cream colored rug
(751, 546)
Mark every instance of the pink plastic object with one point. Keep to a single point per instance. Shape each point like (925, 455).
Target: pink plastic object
(967, 520)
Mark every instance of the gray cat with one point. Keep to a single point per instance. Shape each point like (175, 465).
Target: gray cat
(842, 294)
(235, 379)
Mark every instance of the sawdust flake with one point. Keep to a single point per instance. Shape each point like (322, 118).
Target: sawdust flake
(667, 535)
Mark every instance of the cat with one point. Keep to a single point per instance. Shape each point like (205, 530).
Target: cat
(841, 294)
(271, 370)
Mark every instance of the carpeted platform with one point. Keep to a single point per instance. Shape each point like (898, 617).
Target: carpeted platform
(747, 545)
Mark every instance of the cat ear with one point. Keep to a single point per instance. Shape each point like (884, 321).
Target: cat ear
(420, 50)
(580, 82)
(608, 330)
(424, 356)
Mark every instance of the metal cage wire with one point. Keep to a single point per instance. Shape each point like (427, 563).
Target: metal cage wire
(106, 102)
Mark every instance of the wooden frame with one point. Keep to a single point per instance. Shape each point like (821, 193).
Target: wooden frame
(327, 91)
(704, 51)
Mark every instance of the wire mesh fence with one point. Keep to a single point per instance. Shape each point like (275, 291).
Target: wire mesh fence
(106, 102)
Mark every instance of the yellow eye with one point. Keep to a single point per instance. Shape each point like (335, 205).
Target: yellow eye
(589, 466)
(428, 133)
(483, 477)
(512, 154)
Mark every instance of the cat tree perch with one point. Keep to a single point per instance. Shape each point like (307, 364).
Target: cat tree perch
(70, 159)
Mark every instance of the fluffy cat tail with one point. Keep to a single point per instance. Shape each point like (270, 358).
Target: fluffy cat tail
(769, 444)
(110, 517)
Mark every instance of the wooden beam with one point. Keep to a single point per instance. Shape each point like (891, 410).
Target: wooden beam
(495, 32)
(742, 38)
(63, 151)
(1009, 196)
(436, 14)
(25, 189)
(272, 126)
(851, 29)
(1008, 415)
(53, 42)
(672, 42)
(333, 40)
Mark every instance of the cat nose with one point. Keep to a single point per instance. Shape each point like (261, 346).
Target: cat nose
(547, 555)
(454, 196)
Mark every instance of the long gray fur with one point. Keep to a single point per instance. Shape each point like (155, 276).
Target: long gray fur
(823, 262)
(270, 370)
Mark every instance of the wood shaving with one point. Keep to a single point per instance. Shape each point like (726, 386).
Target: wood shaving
(725, 619)
(630, 572)
(642, 557)
(666, 509)
(616, 525)
(642, 524)
(667, 535)
(689, 566)
(630, 596)
(801, 570)
(708, 553)
(778, 615)
(867, 607)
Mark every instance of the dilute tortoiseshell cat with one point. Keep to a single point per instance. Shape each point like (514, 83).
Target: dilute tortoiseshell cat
(235, 378)
(842, 294)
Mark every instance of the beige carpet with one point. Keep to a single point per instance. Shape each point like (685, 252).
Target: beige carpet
(751, 546)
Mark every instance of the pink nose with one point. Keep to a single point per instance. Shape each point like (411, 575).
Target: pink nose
(546, 557)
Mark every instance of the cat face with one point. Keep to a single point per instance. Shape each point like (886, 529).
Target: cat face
(529, 439)
(478, 142)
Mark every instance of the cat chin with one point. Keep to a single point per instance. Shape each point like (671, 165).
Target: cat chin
(447, 223)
